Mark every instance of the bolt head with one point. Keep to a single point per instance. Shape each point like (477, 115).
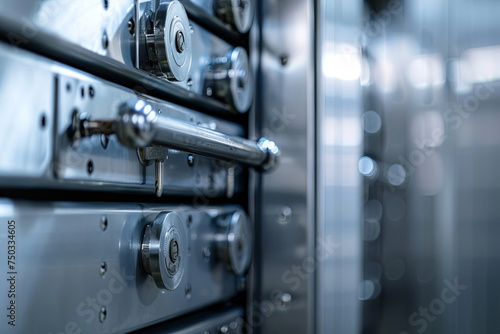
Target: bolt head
(102, 314)
(103, 268)
(104, 223)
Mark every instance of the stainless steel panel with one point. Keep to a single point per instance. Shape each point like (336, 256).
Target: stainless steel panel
(435, 84)
(118, 164)
(284, 298)
(230, 322)
(339, 186)
(77, 267)
(99, 162)
(27, 117)
(106, 28)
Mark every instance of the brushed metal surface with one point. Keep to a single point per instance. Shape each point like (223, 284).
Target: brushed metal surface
(339, 191)
(438, 99)
(27, 95)
(228, 321)
(285, 113)
(59, 282)
(46, 158)
(105, 31)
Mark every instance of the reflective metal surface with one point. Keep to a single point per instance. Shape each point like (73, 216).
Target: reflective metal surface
(230, 79)
(379, 217)
(137, 125)
(114, 31)
(47, 157)
(170, 44)
(226, 321)
(238, 13)
(164, 250)
(339, 185)
(432, 80)
(235, 241)
(83, 262)
(285, 263)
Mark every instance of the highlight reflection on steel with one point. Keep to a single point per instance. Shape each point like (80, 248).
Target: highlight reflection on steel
(138, 125)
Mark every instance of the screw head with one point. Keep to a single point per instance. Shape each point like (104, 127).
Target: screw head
(285, 215)
(104, 40)
(188, 291)
(102, 314)
(206, 253)
(104, 141)
(286, 300)
(103, 268)
(180, 41)
(190, 160)
(284, 60)
(90, 166)
(174, 251)
(104, 223)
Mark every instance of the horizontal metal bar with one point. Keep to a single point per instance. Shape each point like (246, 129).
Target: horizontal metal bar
(138, 125)
(53, 47)
(200, 140)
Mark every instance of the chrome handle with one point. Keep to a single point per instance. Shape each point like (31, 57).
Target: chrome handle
(137, 125)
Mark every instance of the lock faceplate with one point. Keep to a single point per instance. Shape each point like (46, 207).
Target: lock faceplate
(234, 241)
(238, 13)
(172, 40)
(164, 250)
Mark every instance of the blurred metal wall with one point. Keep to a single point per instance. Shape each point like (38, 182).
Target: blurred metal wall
(339, 146)
(308, 210)
(431, 140)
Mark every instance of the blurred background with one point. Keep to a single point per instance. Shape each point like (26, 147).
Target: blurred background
(430, 89)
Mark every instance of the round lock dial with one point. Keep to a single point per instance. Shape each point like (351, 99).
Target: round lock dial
(240, 80)
(232, 79)
(172, 39)
(238, 13)
(235, 241)
(164, 250)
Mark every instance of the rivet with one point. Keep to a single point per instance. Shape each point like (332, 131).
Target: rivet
(104, 223)
(285, 215)
(103, 268)
(206, 253)
(188, 291)
(104, 40)
(90, 166)
(102, 314)
(104, 141)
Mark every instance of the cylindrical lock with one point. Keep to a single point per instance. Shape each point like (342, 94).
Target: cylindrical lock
(164, 250)
(238, 13)
(234, 241)
(229, 79)
(169, 46)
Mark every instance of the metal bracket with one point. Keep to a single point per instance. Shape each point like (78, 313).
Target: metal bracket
(158, 154)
